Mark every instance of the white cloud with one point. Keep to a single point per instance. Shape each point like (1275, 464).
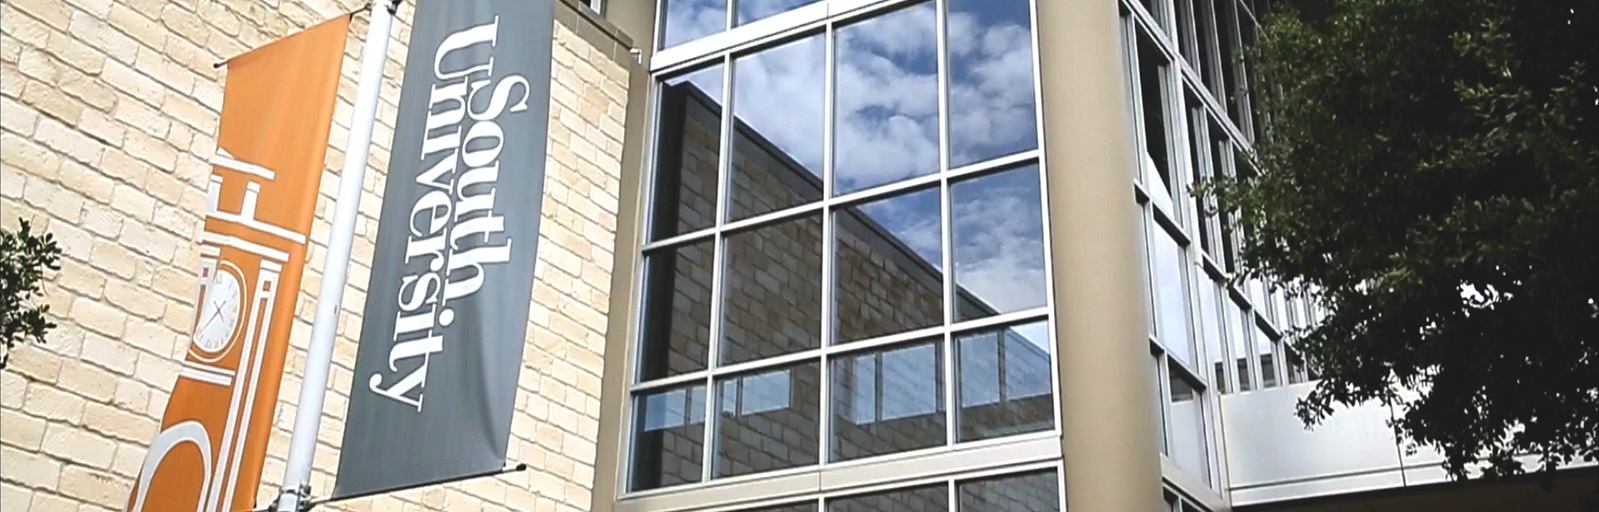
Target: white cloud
(687, 20)
(751, 10)
(991, 88)
(915, 220)
(780, 92)
(708, 81)
(887, 125)
(886, 130)
(998, 237)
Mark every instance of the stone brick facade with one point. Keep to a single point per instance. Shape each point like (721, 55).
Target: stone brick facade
(108, 111)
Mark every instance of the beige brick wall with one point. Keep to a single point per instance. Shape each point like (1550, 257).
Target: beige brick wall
(108, 111)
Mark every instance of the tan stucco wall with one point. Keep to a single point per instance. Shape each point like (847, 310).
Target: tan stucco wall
(109, 109)
(1106, 378)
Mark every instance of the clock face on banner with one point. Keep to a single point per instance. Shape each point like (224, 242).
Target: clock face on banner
(219, 312)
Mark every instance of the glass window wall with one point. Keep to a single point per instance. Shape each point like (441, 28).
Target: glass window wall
(847, 262)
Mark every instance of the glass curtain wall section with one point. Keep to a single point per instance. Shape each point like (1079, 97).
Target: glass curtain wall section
(1202, 121)
(845, 261)
(1177, 338)
(1209, 333)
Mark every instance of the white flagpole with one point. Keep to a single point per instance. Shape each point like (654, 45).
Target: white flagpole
(308, 418)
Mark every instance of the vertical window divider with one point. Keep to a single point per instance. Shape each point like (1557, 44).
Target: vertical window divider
(658, 39)
(879, 386)
(718, 274)
(950, 404)
(1206, 25)
(645, 218)
(946, 221)
(829, 247)
(1060, 481)
(954, 497)
(1176, 130)
(1129, 47)
(1171, 31)
(1004, 369)
(1049, 250)
(1163, 401)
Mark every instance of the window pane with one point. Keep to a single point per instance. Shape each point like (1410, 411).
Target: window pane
(887, 93)
(1171, 294)
(1219, 150)
(1211, 326)
(1297, 372)
(1154, 8)
(1146, 223)
(1152, 66)
(1282, 316)
(1187, 37)
(1236, 333)
(1258, 296)
(1300, 307)
(772, 297)
(687, 158)
(768, 420)
(1006, 382)
(687, 20)
(751, 10)
(677, 311)
(1209, 48)
(1202, 170)
(1248, 31)
(991, 80)
(1160, 403)
(889, 401)
(1231, 60)
(1187, 424)
(1033, 492)
(890, 266)
(669, 434)
(1263, 349)
(998, 243)
(778, 97)
(931, 498)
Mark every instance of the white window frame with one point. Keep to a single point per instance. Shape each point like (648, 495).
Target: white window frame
(953, 461)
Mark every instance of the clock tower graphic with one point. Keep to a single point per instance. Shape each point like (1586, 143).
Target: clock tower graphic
(260, 200)
(242, 259)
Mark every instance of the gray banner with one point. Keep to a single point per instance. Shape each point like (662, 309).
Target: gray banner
(452, 276)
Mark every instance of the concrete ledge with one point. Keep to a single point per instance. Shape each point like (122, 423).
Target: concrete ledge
(594, 28)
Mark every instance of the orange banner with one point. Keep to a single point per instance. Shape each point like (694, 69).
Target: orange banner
(277, 108)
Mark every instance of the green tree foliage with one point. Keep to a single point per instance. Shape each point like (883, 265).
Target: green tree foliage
(1429, 169)
(24, 256)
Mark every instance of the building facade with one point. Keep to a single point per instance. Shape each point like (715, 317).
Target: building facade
(796, 255)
